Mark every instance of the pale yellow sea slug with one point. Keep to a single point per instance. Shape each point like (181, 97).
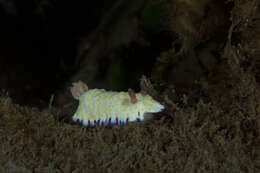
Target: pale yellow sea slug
(101, 107)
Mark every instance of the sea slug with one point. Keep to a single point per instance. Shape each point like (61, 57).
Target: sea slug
(101, 107)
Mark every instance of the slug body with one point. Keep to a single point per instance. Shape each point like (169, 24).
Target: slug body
(101, 107)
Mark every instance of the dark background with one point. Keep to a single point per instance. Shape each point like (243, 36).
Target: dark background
(40, 42)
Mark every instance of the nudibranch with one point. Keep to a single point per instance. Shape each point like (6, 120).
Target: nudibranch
(101, 107)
